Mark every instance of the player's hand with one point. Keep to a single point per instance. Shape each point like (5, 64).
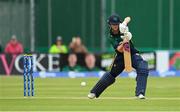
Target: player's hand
(120, 47)
(127, 35)
(123, 28)
(125, 40)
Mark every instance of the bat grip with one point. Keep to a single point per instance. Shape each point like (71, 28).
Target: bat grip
(126, 46)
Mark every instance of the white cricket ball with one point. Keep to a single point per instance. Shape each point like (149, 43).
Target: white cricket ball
(83, 83)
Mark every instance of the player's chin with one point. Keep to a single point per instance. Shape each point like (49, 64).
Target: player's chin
(116, 29)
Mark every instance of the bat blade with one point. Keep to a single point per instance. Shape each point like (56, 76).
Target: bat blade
(127, 57)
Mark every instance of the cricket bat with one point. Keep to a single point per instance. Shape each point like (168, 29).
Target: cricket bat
(127, 51)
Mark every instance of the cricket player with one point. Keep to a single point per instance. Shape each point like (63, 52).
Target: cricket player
(119, 34)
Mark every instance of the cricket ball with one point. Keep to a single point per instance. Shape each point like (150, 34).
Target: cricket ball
(83, 83)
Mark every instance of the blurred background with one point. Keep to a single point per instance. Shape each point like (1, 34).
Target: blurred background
(38, 24)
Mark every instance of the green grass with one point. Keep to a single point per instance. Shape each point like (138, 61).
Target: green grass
(65, 94)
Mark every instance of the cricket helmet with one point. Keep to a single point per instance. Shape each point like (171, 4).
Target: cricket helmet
(114, 20)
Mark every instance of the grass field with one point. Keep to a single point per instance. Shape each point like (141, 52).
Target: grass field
(65, 94)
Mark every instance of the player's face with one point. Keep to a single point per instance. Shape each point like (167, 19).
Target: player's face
(115, 27)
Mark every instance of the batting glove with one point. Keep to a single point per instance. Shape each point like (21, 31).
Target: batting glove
(127, 35)
(123, 28)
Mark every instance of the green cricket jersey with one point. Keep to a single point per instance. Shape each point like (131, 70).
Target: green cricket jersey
(115, 40)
